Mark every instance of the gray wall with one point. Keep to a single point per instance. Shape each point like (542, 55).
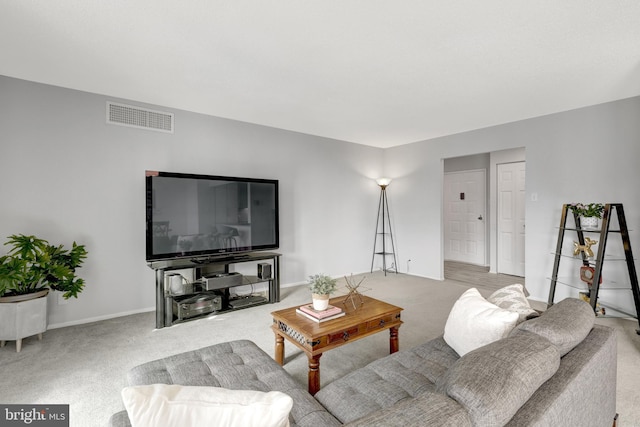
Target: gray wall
(584, 155)
(467, 163)
(66, 175)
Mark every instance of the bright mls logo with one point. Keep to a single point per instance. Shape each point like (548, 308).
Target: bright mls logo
(34, 415)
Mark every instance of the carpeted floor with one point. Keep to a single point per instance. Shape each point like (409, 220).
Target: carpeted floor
(85, 366)
(470, 274)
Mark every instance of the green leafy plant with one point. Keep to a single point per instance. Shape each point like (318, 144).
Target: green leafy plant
(587, 210)
(32, 265)
(321, 284)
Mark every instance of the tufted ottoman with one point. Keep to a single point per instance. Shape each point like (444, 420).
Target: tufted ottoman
(236, 365)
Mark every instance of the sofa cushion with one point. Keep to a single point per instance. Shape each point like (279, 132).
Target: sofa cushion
(428, 409)
(474, 322)
(387, 381)
(514, 299)
(162, 404)
(565, 324)
(494, 381)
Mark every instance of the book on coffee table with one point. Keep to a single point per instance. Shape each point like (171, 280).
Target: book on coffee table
(319, 319)
(331, 310)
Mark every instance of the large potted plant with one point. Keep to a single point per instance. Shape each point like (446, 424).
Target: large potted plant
(30, 269)
(321, 286)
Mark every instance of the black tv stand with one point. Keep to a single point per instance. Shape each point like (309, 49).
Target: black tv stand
(221, 258)
(165, 315)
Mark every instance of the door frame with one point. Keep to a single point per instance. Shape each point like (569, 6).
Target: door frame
(509, 155)
(498, 157)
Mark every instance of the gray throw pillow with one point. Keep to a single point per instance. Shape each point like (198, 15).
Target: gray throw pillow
(514, 299)
(565, 324)
(494, 381)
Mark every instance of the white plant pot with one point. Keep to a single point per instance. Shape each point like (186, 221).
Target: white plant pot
(22, 319)
(320, 302)
(589, 222)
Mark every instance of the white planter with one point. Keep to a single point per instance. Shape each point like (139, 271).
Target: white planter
(589, 222)
(320, 302)
(22, 319)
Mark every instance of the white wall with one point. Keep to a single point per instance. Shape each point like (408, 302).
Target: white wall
(65, 175)
(586, 155)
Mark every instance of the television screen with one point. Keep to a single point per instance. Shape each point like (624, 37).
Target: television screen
(198, 215)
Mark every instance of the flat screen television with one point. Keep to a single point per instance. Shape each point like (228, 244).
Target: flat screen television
(197, 216)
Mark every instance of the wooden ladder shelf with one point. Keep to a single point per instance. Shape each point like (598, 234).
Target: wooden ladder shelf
(597, 263)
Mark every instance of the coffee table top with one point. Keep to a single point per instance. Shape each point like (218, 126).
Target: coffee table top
(371, 314)
(371, 307)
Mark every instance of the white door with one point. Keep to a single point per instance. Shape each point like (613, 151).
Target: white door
(465, 216)
(510, 215)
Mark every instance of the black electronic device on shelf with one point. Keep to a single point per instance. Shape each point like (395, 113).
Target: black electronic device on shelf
(191, 216)
(210, 290)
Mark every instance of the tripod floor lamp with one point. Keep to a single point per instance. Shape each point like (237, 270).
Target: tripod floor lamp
(384, 236)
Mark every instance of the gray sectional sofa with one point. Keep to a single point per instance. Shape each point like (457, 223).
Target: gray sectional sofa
(556, 369)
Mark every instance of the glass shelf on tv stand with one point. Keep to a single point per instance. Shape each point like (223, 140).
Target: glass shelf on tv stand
(164, 300)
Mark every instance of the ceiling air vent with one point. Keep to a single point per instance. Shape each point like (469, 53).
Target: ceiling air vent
(136, 117)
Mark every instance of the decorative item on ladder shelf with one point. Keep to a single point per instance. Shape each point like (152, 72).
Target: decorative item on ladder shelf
(586, 248)
(589, 214)
(589, 222)
(586, 275)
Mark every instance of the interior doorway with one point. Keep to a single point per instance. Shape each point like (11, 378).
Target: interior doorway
(500, 245)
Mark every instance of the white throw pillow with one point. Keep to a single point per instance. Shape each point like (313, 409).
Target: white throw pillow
(474, 322)
(513, 298)
(174, 405)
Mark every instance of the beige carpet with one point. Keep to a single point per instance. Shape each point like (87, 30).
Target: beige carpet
(85, 365)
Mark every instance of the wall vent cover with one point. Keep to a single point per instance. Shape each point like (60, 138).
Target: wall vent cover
(137, 117)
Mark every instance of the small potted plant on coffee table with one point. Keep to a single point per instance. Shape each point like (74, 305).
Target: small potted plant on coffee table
(321, 286)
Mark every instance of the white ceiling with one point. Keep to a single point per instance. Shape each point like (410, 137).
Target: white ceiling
(375, 72)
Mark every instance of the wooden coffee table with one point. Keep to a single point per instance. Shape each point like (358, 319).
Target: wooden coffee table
(315, 338)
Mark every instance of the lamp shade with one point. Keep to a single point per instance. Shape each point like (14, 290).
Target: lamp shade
(383, 182)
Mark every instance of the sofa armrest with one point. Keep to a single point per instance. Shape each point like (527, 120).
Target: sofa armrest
(582, 392)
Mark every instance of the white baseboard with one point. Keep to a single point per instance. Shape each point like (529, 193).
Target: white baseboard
(99, 318)
(142, 310)
(291, 285)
